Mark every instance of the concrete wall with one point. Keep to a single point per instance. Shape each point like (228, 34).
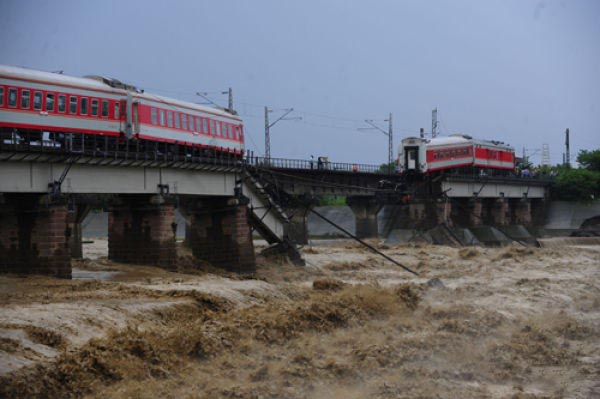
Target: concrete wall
(570, 215)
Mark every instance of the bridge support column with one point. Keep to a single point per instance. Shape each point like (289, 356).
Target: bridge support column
(220, 234)
(297, 229)
(74, 220)
(365, 211)
(414, 218)
(538, 211)
(475, 208)
(467, 212)
(141, 229)
(521, 211)
(34, 236)
(500, 212)
(439, 212)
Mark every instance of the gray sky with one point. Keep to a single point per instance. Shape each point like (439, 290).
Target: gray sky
(517, 71)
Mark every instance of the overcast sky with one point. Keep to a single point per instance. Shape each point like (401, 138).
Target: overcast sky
(517, 71)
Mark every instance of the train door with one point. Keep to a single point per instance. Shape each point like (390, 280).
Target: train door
(131, 118)
(411, 155)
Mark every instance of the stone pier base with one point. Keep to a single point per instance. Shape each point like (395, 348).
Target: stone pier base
(34, 235)
(220, 234)
(365, 212)
(141, 229)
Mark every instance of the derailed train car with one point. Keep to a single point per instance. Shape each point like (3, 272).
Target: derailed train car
(456, 153)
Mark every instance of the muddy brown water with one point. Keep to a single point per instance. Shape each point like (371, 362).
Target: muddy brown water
(501, 323)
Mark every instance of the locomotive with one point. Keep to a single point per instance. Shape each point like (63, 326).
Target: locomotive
(50, 109)
(457, 153)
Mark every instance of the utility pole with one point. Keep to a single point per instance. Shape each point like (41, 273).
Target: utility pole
(567, 149)
(390, 135)
(434, 123)
(268, 127)
(390, 145)
(230, 100)
(267, 135)
(229, 93)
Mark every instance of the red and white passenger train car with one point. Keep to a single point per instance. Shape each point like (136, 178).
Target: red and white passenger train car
(454, 153)
(35, 101)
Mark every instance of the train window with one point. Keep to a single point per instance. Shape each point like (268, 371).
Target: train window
(169, 119)
(213, 128)
(184, 121)
(62, 103)
(161, 115)
(49, 101)
(37, 100)
(72, 105)
(191, 123)
(153, 113)
(205, 125)
(229, 131)
(198, 125)
(1, 96)
(177, 120)
(94, 107)
(117, 111)
(84, 106)
(12, 97)
(104, 108)
(25, 99)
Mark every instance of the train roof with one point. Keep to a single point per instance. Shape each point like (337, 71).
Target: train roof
(96, 82)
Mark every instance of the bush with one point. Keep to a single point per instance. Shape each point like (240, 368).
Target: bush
(577, 185)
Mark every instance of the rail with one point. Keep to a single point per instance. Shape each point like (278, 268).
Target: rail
(307, 164)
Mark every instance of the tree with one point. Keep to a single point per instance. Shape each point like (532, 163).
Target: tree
(387, 167)
(577, 185)
(589, 160)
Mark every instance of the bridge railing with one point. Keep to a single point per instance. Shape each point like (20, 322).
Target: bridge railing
(79, 144)
(307, 164)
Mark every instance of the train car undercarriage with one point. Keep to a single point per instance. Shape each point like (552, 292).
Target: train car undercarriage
(97, 145)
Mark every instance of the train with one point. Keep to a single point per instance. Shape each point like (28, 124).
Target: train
(457, 153)
(48, 109)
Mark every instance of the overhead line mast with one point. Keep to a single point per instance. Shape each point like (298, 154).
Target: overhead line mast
(268, 127)
(390, 134)
(434, 123)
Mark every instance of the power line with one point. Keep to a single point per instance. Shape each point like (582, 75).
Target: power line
(268, 127)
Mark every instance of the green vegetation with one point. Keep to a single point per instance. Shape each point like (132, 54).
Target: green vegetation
(332, 200)
(387, 167)
(589, 160)
(582, 184)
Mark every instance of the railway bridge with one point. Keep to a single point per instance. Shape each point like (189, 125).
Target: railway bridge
(46, 192)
